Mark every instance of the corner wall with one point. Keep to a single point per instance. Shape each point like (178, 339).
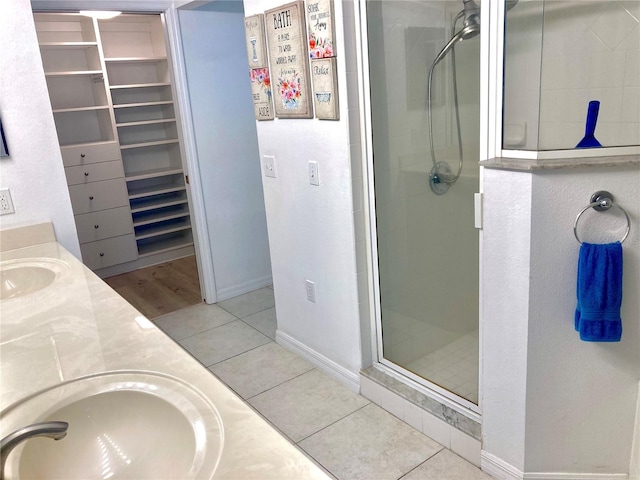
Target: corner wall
(554, 406)
(311, 228)
(34, 172)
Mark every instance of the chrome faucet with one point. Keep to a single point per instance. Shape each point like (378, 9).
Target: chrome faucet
(55, 430)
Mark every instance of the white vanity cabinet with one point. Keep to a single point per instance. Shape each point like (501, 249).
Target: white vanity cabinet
(111, 93)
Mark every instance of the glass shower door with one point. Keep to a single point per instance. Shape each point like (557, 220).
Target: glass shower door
(424, 202)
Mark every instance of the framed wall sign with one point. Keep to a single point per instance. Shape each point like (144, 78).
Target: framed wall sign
(256, 46)
(320, 28)
(285, 27)
(261, 92)
(325, 88)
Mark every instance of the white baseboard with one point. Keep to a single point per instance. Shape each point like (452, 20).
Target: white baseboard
(575, 476)
(346, 377)
(235, 290)
(498, 468)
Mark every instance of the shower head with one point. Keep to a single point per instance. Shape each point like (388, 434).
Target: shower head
(471, 23)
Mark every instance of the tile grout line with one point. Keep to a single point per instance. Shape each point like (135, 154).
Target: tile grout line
(280, 384)
(422, 463)
(333, 423)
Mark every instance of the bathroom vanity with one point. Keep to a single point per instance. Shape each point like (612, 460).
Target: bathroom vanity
(138, 406)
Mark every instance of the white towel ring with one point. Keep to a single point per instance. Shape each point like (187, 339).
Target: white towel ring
(601, 201)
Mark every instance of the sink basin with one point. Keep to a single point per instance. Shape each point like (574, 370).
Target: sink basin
(23, 277)
(132, 425)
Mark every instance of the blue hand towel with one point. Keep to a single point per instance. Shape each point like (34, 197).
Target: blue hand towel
(599, 291)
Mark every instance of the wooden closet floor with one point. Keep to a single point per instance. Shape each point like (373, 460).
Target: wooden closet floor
(160, 289)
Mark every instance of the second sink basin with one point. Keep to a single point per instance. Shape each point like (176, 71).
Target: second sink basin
(23, 277)
(133, 425)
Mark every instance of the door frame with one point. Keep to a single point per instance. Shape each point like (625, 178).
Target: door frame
(169, 11)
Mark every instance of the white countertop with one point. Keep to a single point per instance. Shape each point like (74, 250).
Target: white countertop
(78, 326)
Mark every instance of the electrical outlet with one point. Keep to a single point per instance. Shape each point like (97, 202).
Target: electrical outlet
(313, 174)
(311, 291)
(6, 204)
(269, 162)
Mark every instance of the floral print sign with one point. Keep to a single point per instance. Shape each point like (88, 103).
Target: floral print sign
(261, 91)
(320, 27)
(289, 61)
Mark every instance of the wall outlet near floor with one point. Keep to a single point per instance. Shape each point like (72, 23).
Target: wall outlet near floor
(269, 162)
(311, 291)
(6, 204)
(313, 174)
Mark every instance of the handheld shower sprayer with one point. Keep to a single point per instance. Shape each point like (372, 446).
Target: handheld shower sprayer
(441, 177)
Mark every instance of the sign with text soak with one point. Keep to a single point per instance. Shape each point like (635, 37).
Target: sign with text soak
(289, 62)
(320, 28)
(256, 47)
(325, 88)
(261, 92)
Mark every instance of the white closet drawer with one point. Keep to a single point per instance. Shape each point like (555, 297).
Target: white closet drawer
(85, 154)
(95, 172)
(96, 196)
(111, 251)
(104, 224)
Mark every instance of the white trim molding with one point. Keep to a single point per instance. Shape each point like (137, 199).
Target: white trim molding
(498, 468)
(346, 377)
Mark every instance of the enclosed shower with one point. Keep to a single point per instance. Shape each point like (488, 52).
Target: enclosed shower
(424, 70)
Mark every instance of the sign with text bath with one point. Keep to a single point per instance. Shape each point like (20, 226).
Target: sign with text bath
(288, 57)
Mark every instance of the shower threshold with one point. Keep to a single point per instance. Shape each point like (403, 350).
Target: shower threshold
(406, 400)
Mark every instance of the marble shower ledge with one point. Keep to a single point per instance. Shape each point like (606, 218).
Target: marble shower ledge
(528, 165)
(453, 418)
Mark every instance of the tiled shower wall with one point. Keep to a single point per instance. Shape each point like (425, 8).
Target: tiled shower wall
(590, 51)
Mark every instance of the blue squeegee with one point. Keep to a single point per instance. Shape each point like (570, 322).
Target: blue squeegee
(589, 140)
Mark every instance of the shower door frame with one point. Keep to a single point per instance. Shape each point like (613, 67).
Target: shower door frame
(490, 118)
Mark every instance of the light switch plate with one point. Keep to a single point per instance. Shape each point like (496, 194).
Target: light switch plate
(313, 174)
(269, 162)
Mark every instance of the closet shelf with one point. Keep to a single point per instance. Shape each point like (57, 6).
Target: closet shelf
(164, 245)
(148, 144)
(146, 122)
(81, 109)
(140, 85)
(162, 229)
(160, 217)
(68, 45)
(67, 73)
(136, 60)
(144, 104)
(150, 190)
(153, 203)
(87, 144)
(160, 172)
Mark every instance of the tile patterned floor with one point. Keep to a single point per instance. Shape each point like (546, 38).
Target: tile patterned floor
(350, 437)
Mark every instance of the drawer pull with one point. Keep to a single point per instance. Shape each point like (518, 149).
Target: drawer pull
(96, 226)
(91, 197)
(82, 155)
(102, 254)
(86, 174)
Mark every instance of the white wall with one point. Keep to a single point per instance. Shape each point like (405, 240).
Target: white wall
(311, 229)
(227, 146)
(581, 396)
(34, 173)
(552, 403)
